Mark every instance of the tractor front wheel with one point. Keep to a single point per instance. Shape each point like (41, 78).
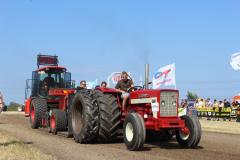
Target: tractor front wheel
(37, 109)
(134, 132)
(190, 135)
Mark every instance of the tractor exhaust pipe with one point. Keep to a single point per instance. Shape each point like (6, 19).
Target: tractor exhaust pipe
(146, 76)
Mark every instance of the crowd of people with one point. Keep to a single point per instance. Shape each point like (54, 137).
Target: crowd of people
(208, 103)
(215, 108)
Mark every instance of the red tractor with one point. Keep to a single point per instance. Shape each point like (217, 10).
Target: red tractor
(148, 112)
(47, 103)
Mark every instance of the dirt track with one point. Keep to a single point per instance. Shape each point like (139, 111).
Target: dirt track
(213, 145)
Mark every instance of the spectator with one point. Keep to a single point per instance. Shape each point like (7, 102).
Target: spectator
(201, 103)
(220, 107)
(209, 106)
(226, 104)
(182, 102)
(83, 85)
(196, 105)
(185, 104)
(104, 84)
(235, 105)
(209, 103)
(215, 106)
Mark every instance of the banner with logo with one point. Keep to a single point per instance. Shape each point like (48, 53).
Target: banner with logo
(113, 78)
(164, 77)
(235, 61)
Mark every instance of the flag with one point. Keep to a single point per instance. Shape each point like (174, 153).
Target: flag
(93, 84)
(164, 77)
(235, 61)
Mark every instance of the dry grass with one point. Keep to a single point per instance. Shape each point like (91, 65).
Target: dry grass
(12, 113)
(13, 149)
(232, 127)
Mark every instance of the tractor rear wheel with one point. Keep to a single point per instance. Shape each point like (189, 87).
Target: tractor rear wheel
(58, 121)
(38, 109)
(190, 135)
(134, 132)
(109, 116)
(85, 117)
(69, 115)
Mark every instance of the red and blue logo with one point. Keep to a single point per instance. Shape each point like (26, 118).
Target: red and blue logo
(160, 74)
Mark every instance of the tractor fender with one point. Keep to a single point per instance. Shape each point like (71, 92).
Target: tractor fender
(108, 90)
(27, 107)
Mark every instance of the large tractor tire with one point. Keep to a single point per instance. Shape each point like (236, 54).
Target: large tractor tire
(190, 135)
(69, 115)
(198, 131)
(134, 132)
(38, 109)
(58, 121)
(109, 116)
(85, 117)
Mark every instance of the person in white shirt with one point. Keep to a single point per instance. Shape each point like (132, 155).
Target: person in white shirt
(196, 105)
(209, 106)
(209, 103)
(201, 103)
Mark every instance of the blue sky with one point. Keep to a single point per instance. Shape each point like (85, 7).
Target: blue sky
(95, 38)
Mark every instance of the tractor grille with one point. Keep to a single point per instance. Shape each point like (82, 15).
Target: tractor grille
(167, 100)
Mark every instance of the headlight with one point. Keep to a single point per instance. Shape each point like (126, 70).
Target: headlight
(163, 102)
(174, 103)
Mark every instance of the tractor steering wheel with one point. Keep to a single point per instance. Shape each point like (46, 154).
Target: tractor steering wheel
(135, 88)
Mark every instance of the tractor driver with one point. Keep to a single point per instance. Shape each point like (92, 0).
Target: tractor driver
(49, 81)
(123, 86)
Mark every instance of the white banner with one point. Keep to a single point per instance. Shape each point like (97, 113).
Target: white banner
(113, 78)
(235, 61)
(164, 77)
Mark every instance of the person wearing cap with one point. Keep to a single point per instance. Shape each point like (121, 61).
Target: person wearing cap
(123, 86)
